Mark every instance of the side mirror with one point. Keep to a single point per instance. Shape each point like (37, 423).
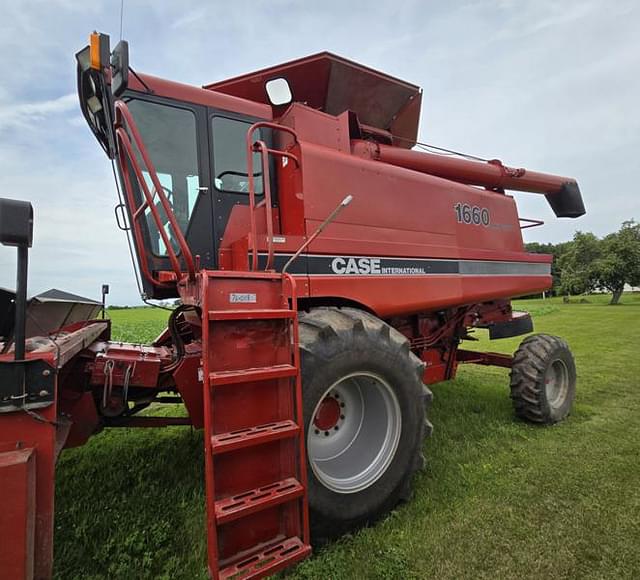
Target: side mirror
(119, 68)
(16, 223)
(16, 229)
(278, 91)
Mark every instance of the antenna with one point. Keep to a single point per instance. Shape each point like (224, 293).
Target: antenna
(121, 16)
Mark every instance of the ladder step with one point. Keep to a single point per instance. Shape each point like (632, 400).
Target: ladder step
(249, 375)
(267, 561)
(249, 502)
(264, 314)
(234, 440)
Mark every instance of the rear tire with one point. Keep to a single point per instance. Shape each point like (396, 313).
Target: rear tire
(543, 379)
(364, 417)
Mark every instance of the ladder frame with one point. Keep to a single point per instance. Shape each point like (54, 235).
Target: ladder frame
(281, 549)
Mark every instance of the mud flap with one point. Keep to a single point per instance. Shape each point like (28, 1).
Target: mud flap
(521, 323)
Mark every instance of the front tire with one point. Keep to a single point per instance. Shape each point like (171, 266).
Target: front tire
(543, 379)
(364, 410)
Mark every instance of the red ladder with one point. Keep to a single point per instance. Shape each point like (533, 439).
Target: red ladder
(255, 466)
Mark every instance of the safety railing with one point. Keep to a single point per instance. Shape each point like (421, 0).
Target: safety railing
(530, 223)
(261, 147)
(126, 129)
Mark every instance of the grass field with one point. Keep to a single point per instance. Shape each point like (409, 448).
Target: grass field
(499, 498)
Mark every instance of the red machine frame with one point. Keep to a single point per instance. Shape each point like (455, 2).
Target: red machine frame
(404, 214)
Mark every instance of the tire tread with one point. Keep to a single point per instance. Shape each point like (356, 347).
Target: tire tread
(530, 362)
(319, 326)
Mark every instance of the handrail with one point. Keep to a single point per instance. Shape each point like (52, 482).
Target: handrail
(125, 125)
(531, 223)
(261, 147)
(266, 178)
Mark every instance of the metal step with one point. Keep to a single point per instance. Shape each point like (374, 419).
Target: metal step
(249, 375)
(263, 314)
(258, 435)
(249, 502)
(267, 561)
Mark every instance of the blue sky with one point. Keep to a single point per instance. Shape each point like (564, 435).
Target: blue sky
(547, 85)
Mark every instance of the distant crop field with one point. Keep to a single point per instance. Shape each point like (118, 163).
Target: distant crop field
(498, 498)
(137, 324)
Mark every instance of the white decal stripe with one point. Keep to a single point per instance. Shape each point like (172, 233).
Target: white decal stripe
(333, 265)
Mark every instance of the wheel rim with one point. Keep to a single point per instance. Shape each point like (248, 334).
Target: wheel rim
(556, 380)
(354, 432)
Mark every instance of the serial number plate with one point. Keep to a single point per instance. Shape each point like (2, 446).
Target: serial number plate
(237, 298)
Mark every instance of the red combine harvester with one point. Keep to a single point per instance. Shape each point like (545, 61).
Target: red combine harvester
(327, 274)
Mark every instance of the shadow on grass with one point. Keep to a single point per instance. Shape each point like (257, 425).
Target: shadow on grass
(131, 504)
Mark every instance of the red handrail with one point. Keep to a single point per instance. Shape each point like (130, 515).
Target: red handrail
(261, 146)
(125, 126)
(293, 298)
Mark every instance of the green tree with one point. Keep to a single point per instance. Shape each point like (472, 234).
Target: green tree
(619, 262)
(557, 251)
(577, 264)
(590, 263)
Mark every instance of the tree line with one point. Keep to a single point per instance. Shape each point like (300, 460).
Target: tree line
(589, 263)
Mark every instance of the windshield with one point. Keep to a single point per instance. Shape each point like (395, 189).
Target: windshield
(169, 134)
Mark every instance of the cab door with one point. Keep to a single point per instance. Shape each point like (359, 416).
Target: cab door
(176, 136)
(229, 171)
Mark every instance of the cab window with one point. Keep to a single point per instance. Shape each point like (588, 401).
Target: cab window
(169, 134)
(230, 156)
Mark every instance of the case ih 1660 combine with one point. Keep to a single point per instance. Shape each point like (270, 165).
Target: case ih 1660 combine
(309, 327)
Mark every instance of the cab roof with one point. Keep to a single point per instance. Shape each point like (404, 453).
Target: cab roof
(334, 84)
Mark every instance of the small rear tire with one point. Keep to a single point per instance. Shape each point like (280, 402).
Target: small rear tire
(543, 379)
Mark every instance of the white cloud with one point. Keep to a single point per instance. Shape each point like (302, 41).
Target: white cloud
(542, 84)
(20, 115)
(190, 17)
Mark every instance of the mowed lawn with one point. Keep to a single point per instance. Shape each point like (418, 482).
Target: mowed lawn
(498, 499)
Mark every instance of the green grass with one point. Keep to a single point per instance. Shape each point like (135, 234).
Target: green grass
(137, 324)
(499, 498)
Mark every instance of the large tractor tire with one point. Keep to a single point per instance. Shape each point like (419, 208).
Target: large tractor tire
(364, 417)
(543, 379)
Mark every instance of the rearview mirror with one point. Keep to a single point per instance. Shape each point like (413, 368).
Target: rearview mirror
(16, 223)
(278, 91)
(119, 68)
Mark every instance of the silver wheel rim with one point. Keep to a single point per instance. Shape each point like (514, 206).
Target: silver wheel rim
(556, 379)
(353, 453)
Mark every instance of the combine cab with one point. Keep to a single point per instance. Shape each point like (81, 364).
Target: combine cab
(327, 273)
